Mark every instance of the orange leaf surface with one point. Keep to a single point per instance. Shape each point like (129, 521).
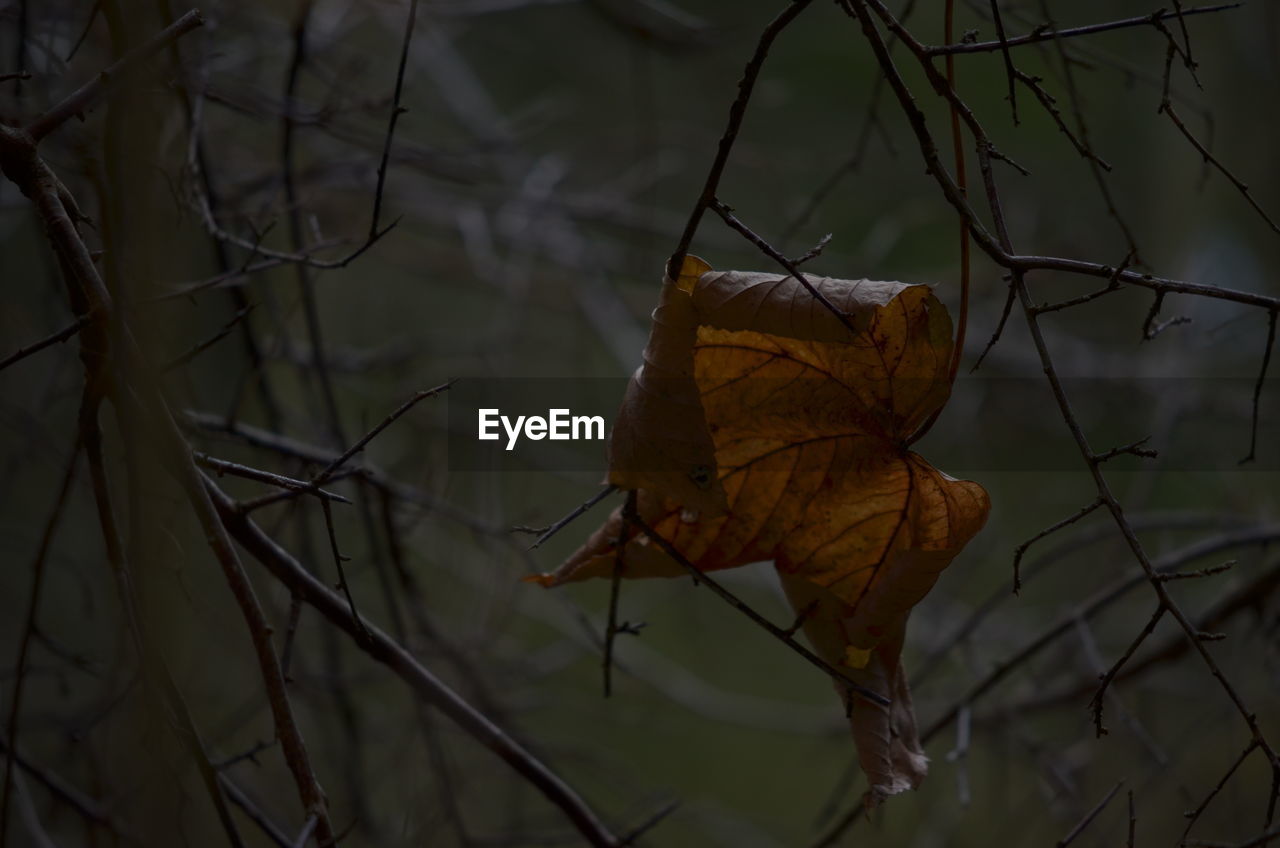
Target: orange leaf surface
(760, 428)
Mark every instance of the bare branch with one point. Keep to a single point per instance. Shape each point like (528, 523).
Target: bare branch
(1045, 33)
(547, 532)
(615, 586)
(1089, 817)
(222, 466)
(1257, 388)
(56, 338)
(737, 111)
(1021, 550)
(88, 94)
(384, 650)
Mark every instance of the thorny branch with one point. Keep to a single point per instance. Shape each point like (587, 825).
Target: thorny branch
(119, 373)
(386, 651)
(993, 238)
(1044, 32)
(1001, 250)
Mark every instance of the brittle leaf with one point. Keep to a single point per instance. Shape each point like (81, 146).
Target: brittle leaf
(761, 428)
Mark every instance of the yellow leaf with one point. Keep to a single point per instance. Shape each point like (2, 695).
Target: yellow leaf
(761, 428)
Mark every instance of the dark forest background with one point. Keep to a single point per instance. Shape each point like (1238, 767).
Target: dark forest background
(538, 179)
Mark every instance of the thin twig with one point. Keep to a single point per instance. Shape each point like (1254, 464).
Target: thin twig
(255, 814)
(307, 829)
(769, 250)
(1264, 838)
(1094, 162)
(338, 559)
(1004, 52)
(1133, 823)
(88, 94)
(737, 111)
(222, 466)
(91, 810)
(336, 465)
(29, 628)
(1113, 284)
(58, 337)
(962, 182)
(652, 821)
(1193, 815)
(546, 533)
(84, 32)
(1089, 817)
(396, 111)
(700, 577)
(1044, 33)
(201, 347)
(1257, 387)
(1096, 703)
(615, 590)
(1021, 550)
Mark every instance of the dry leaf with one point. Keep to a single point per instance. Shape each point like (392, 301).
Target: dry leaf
(760, 428)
